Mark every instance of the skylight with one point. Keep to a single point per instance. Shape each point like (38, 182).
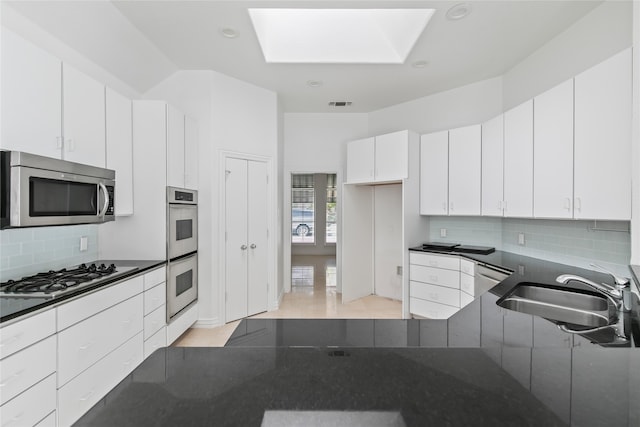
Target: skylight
(338, 36)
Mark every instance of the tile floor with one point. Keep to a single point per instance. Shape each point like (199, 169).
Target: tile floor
(313, 296)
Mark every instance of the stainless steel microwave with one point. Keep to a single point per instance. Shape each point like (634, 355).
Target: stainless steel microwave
(40, 191)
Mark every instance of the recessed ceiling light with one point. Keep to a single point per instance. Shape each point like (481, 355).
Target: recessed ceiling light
(314, 83)
(419, 64)
(459, 11)
(229, 33)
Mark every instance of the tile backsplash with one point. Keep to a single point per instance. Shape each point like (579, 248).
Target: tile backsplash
(578, 243)
(25, 251)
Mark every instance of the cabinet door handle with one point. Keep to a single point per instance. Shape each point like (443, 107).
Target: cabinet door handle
(253, 246)
(70, 144)
(59, 142)
(11, 378)
(578, 204)
(567, 203)
(86, 346)
(86, 396)
(451, 206)
(11, 340)
(243, 247)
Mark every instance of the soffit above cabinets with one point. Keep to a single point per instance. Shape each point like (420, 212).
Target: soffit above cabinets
(144, 42)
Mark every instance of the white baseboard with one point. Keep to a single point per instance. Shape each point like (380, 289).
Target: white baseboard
(212, 322)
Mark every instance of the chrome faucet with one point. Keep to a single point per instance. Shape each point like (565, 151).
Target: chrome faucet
(618, 294)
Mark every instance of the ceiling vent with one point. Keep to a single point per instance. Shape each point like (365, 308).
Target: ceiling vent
(340, 103)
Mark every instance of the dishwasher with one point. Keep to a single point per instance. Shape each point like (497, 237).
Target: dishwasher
(488, 276)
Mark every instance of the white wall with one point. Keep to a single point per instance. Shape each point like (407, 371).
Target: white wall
(315, 143)
(635, 147)
(603, 32)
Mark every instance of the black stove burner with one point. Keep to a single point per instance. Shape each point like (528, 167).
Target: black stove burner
(54, 281)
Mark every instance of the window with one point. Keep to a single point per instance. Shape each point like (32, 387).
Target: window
(302, 208)
(331, 228)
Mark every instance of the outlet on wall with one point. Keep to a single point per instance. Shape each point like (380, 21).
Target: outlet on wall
(521, 239)
(443, 232)
(84, 242)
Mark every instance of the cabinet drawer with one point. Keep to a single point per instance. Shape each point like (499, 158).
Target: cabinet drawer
(32, 406)
(440, 294)
(467, 284)
(435, 276)
(49, 421)
(467, 267)
(25, 332)
(155, 297)
(158, 340)
(155, 277)
(88, 305)
(154, 321)
(27, 367)
(431, 310)
(84, 391)
(87, 342)
(437, 261)
(465, 299)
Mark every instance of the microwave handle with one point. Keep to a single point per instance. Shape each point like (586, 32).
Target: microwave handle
(106, 199)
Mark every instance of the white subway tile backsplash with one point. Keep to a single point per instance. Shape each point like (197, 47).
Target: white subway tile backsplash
(565, 241)
(25, 251)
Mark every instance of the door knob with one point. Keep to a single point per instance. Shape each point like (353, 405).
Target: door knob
(253, 246)
(243, 247)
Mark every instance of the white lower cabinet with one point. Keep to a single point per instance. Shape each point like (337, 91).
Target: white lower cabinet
(32, 406)
(85, 343)
(439, 285)
(156, 341)
(80, 394)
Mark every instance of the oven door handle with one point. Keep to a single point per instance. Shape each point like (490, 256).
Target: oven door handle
(103, 211)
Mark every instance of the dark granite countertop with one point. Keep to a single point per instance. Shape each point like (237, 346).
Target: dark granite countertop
(17, 308)
(483, 366)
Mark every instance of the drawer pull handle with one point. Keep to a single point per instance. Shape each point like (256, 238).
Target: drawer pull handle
(15, 419)
(86, 396)
(434, 278)
(433, 263)
(12, 377)
(86, 346)
(11, 340)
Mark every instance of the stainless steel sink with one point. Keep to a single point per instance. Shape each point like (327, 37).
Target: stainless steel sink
(562, 305)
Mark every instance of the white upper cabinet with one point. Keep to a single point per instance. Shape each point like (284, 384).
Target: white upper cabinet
(434, 173)
(190, 153)
(392, 156)
(380, 159)
(465, 147)
(493, 166)
(175, 147)
(120, 148)
(84, 118)
(603, 107)
(31, 98)
(518, 161)
(553, 153)
(360, 160)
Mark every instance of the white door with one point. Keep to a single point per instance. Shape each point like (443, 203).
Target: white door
(84, 118)
(464, 170)
(518, 161)
(493, 166)
(434, 173)
(553, 153)
(603, 140)
(360, 160)
(236, 249)
(257, 274)
(31, 98)
(175, 147)
(120, 148)
(392, 156)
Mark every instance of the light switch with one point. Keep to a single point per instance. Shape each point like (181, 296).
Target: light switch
(521, 239)
(443, 232)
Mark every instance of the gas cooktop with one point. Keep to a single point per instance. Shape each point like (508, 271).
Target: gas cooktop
(54, 283)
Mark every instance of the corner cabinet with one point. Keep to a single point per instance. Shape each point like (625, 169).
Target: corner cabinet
(119, 126)
(182, 150)
(379, 159)
(450, 172)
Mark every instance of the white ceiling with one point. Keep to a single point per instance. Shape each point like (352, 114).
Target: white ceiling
(143, 42)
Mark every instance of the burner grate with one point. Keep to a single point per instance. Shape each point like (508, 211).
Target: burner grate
(55, 281)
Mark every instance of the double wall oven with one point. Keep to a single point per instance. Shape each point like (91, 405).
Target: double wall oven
(182, 250)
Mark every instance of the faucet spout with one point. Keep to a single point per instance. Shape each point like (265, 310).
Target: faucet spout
(616, 294)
